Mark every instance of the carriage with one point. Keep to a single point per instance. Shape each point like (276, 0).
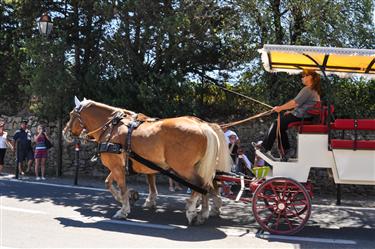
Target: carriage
(193, 149)
(281, 202)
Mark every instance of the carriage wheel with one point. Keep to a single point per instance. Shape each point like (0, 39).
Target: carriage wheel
(281, 206)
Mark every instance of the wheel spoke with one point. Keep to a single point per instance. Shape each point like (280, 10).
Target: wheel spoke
(295, 214)
(281, 206)
(277, 197)
(265, 221)
(289, 223)
(268, 207)
(278, 220)
(284, 190)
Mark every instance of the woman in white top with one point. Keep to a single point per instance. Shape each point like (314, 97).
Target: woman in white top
(4, 143)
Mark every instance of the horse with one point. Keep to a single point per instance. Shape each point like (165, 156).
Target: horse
(191, 148)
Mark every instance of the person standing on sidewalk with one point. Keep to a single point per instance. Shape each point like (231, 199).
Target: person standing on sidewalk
(4, 144)
(41, 152)
(22, 143)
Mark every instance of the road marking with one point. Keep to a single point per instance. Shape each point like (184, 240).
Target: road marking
(85, 188)
(166, 196)
(129, 222)
(246, 233)
(307, 239)
(344, 207)
(21, 210)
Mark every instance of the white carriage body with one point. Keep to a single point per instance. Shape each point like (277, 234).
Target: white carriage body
(348, 166)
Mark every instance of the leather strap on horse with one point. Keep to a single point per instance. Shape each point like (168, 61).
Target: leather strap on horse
(128, 144)
(153, 166)
(115, 120)
(131, 154)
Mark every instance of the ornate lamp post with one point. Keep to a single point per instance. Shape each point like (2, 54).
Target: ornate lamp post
(45, 24)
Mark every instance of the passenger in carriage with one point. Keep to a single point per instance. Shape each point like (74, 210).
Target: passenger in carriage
(233, 148)
(296, 110)
(243, 164)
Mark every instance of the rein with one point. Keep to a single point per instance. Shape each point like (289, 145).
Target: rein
(246, 119)
(278, 138)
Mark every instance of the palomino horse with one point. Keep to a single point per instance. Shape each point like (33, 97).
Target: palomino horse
(190, 147)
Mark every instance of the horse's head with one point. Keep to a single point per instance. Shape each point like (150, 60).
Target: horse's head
(75, 126)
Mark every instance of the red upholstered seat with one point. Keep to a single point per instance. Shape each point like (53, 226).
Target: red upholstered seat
(321, 113)
(319, 128)
(349, 144)
(349, 124)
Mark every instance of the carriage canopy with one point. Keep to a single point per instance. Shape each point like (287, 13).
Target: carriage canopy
(343, 62)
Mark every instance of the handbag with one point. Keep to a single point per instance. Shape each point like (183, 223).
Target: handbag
(48, 143)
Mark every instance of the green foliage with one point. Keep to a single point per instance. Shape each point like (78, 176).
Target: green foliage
(50, 80)
(354, 98)
(149, 56)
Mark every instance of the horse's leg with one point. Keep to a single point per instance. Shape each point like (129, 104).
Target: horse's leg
(205, 211)
(191, 207)
(111, 188)
(152, 192)
(217, 202)
(119, 177)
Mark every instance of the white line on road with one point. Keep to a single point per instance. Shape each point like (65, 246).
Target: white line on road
(343, 207)
(80, 187)
(246, 233)
(139, 223)
(21, 210)
(307, 239)
(169, 196)
(129, 222)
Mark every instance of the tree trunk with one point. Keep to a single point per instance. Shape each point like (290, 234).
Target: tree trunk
(59, 144)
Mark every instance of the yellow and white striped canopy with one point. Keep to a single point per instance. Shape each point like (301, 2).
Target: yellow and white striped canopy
(343, 62)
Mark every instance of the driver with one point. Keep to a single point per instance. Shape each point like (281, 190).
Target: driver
(296, 110)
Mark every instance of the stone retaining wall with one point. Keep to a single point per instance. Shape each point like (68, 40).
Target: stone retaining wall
(249, 132)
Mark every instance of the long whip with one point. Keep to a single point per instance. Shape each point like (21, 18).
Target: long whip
(216, 83)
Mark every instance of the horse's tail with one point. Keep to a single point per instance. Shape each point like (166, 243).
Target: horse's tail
(216, 157)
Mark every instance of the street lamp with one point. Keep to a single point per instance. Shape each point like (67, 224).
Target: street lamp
(45, 24)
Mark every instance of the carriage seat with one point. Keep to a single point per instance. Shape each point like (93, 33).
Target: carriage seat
(353, 124)
(319, 112)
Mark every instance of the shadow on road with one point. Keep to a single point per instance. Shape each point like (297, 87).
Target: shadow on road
(325, 222)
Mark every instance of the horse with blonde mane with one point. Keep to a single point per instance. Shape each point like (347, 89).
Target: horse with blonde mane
(195, 150)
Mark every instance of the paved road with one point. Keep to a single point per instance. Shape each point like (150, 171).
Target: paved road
(46, 214)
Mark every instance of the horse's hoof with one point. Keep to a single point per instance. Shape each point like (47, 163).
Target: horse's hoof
(133, 196)
(149, 204)
(199, 220)
(214, 213)
(191, 216)
(120, 215)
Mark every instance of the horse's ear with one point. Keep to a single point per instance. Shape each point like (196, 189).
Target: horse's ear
(77, 102)
(84, 99)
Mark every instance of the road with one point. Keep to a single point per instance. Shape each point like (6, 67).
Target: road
(42, 214)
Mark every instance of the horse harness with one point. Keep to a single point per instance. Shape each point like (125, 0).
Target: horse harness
(116, 148)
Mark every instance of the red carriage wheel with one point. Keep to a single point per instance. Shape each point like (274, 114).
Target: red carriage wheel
(281, 206)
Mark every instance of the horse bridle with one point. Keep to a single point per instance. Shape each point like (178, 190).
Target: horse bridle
(84, 134)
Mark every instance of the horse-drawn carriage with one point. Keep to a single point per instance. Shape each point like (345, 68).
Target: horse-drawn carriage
(195, 150)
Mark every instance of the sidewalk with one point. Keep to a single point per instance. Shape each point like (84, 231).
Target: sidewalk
(348, 199)
(138, 183)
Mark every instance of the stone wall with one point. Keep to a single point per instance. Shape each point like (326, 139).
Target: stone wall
(249, 132)
(86, 168)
